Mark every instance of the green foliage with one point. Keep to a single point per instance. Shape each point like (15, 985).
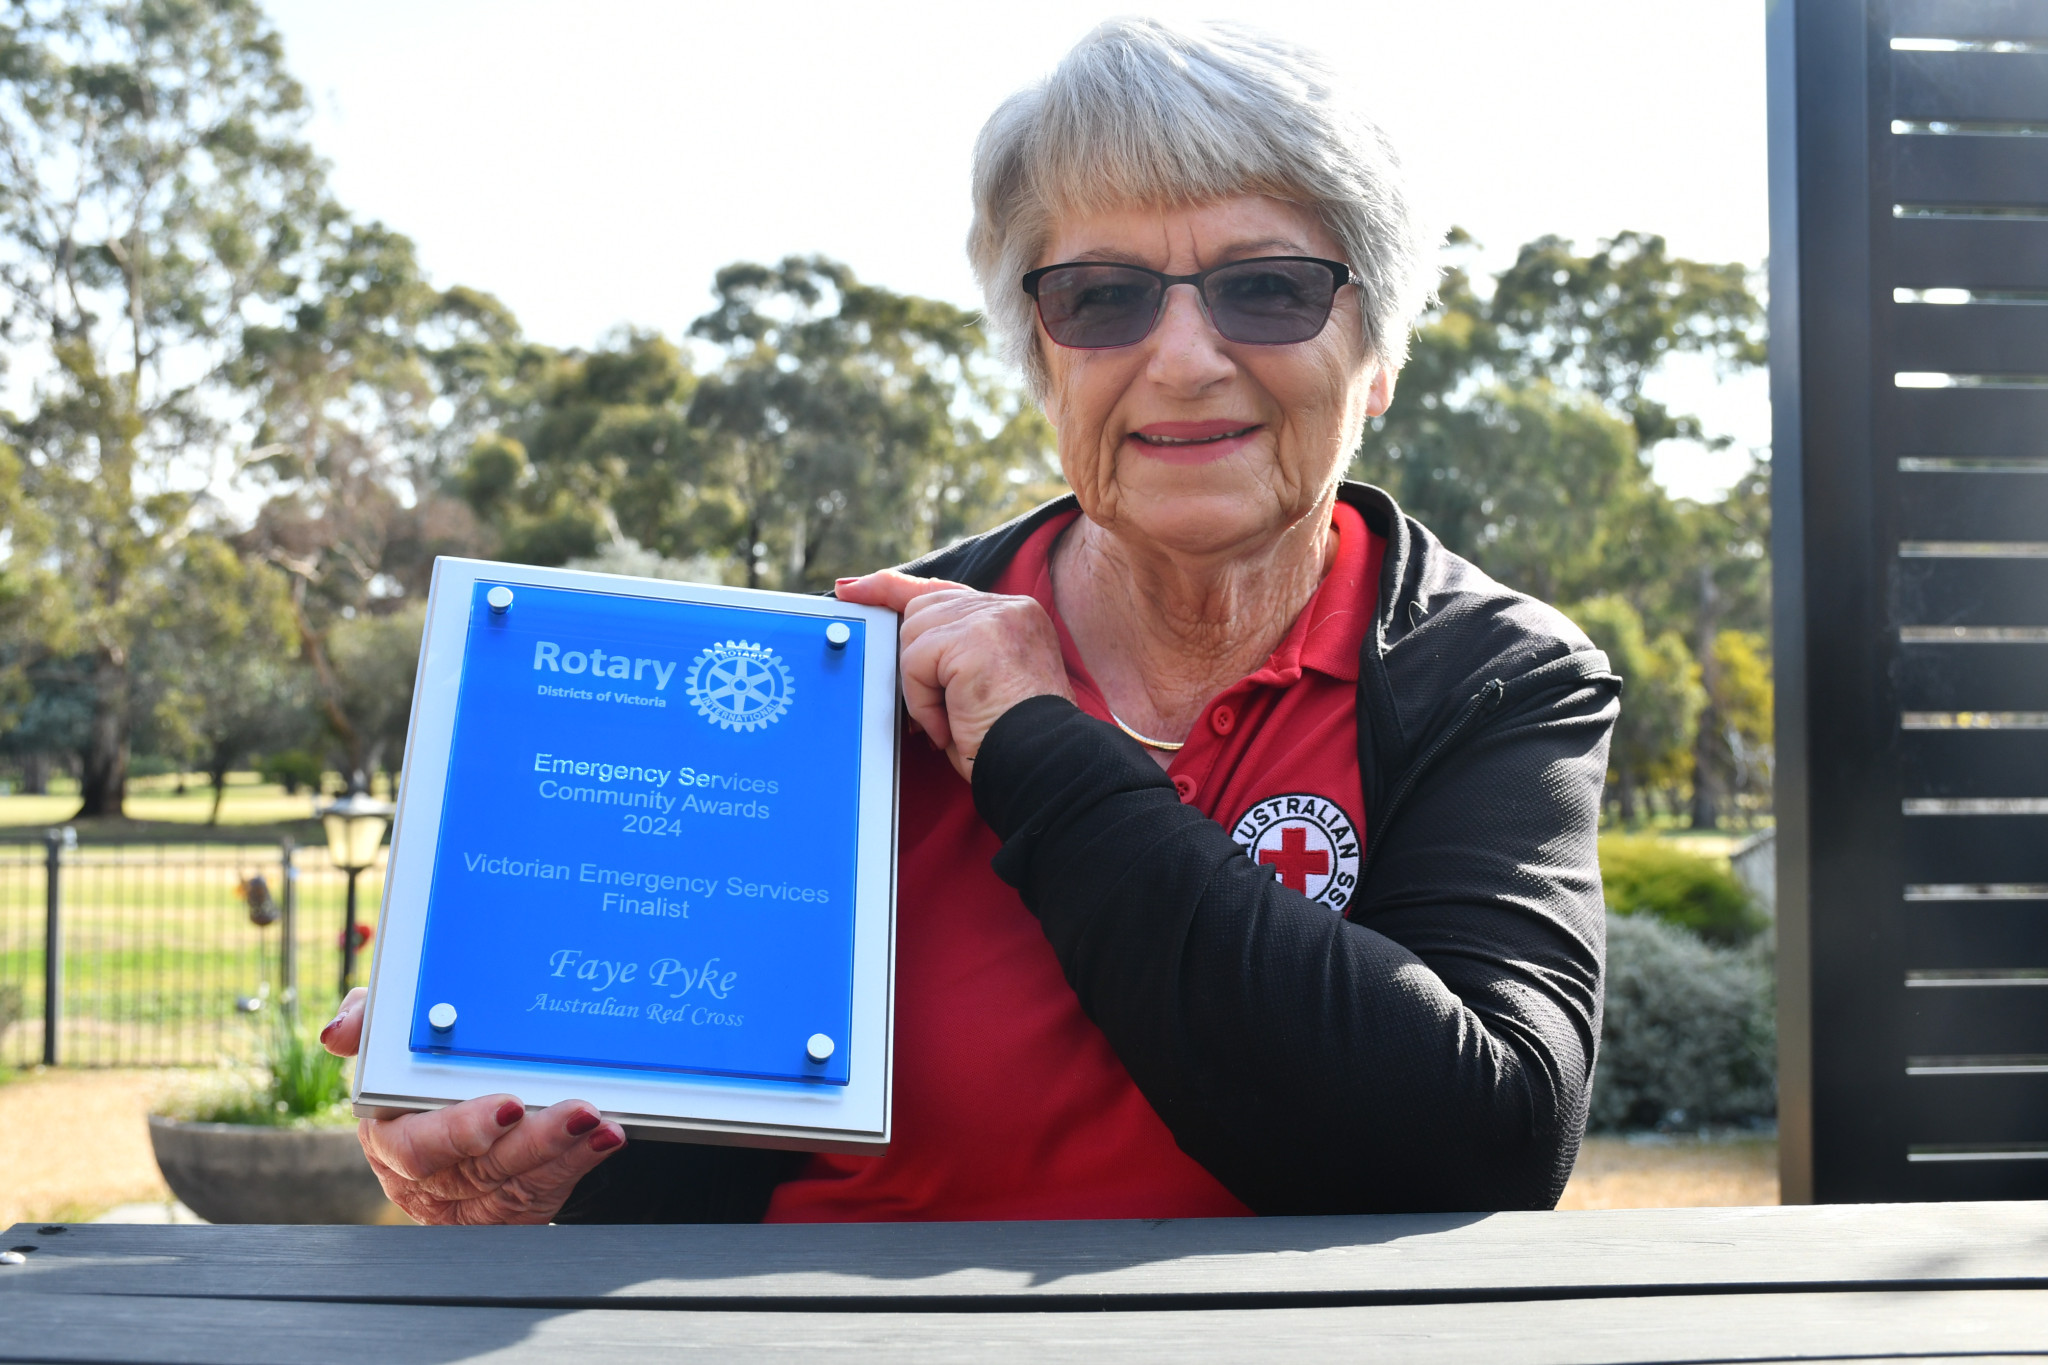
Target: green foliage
(1604, 322)
(844, 427)
(372, 661)
(157, 198)
(855, 427)
(1543, 488)
(359, 395)
(1689, 1035)
(1647, 876)
(1652, 744)
(1741, 708)
(306, 1080)
(298, 1085)
(1521, 435)
(216, 672)
(291, 769)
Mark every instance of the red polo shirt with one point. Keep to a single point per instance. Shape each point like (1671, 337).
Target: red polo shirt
(1009, 1102)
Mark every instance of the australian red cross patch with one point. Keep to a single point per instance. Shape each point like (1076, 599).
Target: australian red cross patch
(1309, 843)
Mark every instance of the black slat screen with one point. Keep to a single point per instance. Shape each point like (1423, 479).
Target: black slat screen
(1909, 274)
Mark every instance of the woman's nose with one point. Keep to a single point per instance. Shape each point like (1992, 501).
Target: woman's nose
(1187, 351)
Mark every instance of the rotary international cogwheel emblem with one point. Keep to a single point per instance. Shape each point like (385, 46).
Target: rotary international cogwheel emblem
(740, 686)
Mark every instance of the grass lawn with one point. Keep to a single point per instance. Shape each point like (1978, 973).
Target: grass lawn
(159, 945)
(252, 810)
(1717, 844)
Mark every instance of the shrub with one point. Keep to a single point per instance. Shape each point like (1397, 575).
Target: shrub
(301, 1085)
(1690, 1032)
(10, 1006)
(1646, 876)
(291, 769)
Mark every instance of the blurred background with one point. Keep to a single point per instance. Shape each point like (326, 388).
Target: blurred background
(299, 296)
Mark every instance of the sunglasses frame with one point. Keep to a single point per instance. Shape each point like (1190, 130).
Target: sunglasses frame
(1342, 272)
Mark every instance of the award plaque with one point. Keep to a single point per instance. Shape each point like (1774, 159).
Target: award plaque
(644, 857)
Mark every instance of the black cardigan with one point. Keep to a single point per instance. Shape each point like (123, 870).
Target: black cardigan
(1434, 1049)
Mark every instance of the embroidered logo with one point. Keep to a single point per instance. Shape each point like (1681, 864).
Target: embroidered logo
(740, 686)
(1309, 844)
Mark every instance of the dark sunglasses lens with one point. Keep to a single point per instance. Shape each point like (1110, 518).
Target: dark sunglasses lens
(1097, 306)
(1271, 303)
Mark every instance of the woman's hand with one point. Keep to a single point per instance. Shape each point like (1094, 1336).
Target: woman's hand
(967, 656)
(482, 1161)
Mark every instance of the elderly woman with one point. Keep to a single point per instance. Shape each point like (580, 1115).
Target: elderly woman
(1249, 865)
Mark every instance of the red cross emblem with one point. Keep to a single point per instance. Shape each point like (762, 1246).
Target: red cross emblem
(1294, 859)
(1304, 841)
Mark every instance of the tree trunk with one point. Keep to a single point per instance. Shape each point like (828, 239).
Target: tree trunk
(1706, 741)
(1706, 772)
(103, 777)
(1629, 798)
(35, 775)
(217, 774)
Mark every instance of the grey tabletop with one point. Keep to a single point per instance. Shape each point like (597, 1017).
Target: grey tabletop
(1899, 1281)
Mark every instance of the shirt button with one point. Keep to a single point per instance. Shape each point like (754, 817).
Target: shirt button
(1187, 787)
(1223, 720)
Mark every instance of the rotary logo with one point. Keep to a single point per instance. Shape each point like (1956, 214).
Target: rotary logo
(740, 686)
(1309, 843)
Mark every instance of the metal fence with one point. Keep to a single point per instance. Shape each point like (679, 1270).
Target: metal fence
(163, 954)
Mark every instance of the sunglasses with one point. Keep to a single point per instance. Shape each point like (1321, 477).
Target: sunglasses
(1264, 301)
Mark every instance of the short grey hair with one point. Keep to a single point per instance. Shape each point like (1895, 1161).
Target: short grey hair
(1144, 112)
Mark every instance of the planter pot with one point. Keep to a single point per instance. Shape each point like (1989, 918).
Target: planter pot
(238, 1173)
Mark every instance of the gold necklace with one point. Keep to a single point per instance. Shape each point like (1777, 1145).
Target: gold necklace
(1150, 743)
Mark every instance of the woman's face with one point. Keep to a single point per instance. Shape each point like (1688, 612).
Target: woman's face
(1189, 442)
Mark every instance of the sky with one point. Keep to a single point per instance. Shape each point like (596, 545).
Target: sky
(593, 164)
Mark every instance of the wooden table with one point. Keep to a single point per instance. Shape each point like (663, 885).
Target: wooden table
(1898, 1281)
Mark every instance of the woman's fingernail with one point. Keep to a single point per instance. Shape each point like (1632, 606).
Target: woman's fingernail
(510, 1112)
(582, 1122)
(842, 582)
(605, 1141)
(332, 1025)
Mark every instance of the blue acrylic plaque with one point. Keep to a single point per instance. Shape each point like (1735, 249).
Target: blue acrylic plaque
(653, 852)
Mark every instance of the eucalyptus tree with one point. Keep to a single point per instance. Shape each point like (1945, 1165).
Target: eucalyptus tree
(218, 673)
(355, 392)
(157, 198)
(1521, 432)
(859, 427)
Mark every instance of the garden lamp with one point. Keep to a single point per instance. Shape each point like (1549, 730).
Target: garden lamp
(355, 829)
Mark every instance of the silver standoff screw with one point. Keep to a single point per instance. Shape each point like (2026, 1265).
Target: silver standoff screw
(500, 599)
(442, 1017)
(837, 634)
(819, 1048)
(12, 1258)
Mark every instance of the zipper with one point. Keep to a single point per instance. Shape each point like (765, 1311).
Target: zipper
(1482, 701)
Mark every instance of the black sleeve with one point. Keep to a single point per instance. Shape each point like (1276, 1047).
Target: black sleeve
(649, 1181)
(1432, 1053)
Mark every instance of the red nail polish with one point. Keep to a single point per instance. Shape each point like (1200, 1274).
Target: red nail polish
(605, 1141)
(510, 1112)
(842, 582)
(582, 1122)
(332, 1025)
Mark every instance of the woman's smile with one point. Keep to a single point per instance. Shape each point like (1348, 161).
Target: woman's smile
(1194, 442)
